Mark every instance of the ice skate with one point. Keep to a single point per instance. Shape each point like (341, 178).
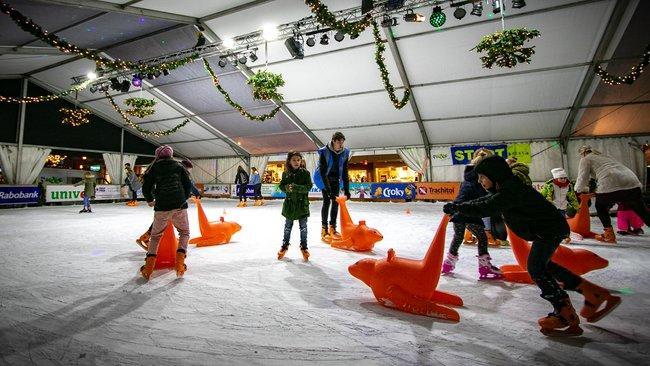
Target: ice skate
(305, 254)
(469, 239)
(240, 204)
(335, 235)
(283, 251)
(143, 240)
(449, 264)
(607, 236)
(149, 263)
(562, 322)
(486, 270)
(595, 296)
(244, 204)
(83, 210)
(180, 265)
(89, 210)
(262, 202)
(637, 232)
(325, 235)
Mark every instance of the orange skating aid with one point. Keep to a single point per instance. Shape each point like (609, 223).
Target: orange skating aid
(578, 261)
(166, 256)
(213, 233)
(410, 285)
(581, 223)
(359, 237)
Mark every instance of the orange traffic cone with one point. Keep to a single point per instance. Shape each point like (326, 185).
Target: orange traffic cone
(581, 223)
(166, 256)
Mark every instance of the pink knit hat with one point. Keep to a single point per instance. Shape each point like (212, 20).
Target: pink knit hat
(164, 152)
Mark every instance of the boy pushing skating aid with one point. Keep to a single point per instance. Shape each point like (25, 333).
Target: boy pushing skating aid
(532, 217)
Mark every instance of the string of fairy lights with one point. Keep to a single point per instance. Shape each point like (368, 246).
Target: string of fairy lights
(75, 117)
(631, 77)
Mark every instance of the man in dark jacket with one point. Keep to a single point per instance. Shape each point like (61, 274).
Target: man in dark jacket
(169, 183)
(532, 217)
(332, 171)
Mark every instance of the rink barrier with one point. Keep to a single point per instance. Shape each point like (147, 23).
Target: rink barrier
(18, 194)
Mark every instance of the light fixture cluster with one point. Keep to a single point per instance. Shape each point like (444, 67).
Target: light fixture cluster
(238, 58)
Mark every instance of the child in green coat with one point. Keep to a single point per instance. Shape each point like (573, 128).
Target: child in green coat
(296, 183)
(89, 190)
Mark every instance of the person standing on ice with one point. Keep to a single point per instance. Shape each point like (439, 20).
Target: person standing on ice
(331, 172)
(169, 183)
(530, 216)
(296, 184)
(133, 183)
(559, 191)
(471, 189)
(256, 182)
(616, 183)
(241, 180)
(89, 190)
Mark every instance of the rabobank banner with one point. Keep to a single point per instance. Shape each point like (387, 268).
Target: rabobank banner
(18, 195)
(393, 190)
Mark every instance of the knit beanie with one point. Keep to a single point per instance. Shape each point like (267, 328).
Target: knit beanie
(558, 173)
(495, 168)
(164, 152)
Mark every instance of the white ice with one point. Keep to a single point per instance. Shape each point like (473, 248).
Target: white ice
(70, 294)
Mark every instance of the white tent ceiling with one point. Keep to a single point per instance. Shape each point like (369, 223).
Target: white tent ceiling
(337, 87)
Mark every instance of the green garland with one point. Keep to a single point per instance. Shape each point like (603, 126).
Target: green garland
(140, 107)
(324, 17)
(505, 48)
(45, 98)
(239, 108)
(379, 58)
(105, 63)
(143, 131)
(629, 78)
(265, 85)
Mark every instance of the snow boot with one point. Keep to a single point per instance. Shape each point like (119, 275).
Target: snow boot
(333, 233)
(180, 265)
(469, 239)
(283, 251)
(562, 322)
(607, 237)
(486, 270)
(449, 264)
(143, 240)
(149, 263)
(595, 296)
(305, 254)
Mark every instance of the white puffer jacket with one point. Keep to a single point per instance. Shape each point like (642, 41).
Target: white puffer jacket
(611, 175)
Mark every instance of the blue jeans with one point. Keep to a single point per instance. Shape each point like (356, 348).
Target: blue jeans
(487, 222)
(288, 225)
(86, 201)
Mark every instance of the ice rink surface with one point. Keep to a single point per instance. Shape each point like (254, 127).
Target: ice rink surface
(70, 294)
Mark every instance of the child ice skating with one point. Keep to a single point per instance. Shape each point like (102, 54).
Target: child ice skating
(296, 183)
(533, 218)
(559, 191)
(627, 221)
(168, 182)
(89, 190)
(471, 189)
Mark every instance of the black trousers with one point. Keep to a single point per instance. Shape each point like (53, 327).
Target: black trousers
(631, 197)
(547, 273)
(257, 191)
(330, 208)
(459, 234)
(242, 192)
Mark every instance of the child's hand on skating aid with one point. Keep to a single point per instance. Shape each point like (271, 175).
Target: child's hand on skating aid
(290, 187)
(152, 203)
(450, 208)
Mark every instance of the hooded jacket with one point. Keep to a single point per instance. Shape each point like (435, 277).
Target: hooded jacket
(167, 181)
(524, 209)
(522, 171)
(296, 205)
(470, 189)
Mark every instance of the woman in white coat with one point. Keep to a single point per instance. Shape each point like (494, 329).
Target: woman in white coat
(616, 183)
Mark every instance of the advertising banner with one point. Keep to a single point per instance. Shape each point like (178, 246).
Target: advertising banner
(18, 195)
(216, 189)
(108, 192)
(268, 190)
(441, 156)
(521, 151)
(393, 190)
(63, 193)
(437, 191)
(462, 155)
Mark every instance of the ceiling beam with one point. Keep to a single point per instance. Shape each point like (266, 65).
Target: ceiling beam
(111, 7)
(233, 10)
(388, 32)
(111, 46)
(22, 50)
(603, 45)
(212, 37)
(130, 3)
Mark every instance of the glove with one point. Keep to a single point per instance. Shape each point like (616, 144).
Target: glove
(450, 208)
(347, 194)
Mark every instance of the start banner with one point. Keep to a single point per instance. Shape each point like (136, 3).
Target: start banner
(18, 195)
(462, 155)
(437, 191)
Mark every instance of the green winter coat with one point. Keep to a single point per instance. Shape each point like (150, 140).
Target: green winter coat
(521, 171)
(296, 205)
(572, 199)
(89, 185)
